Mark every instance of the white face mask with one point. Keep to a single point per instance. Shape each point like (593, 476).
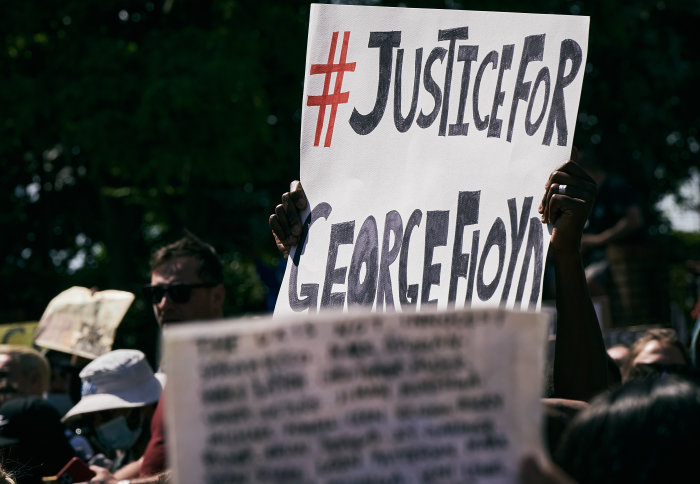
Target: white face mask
(116, 434)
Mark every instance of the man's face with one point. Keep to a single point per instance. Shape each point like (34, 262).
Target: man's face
(13, 383)
(204, 302)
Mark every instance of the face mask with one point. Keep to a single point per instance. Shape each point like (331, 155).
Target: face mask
(116, 434)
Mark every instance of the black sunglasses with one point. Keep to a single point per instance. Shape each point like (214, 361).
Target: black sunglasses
(178, 292)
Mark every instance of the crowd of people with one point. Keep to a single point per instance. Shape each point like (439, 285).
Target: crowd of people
(619, 414)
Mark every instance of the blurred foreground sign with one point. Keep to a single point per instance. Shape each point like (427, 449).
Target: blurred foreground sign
(81, 322)
(350, 398)
(427, 137)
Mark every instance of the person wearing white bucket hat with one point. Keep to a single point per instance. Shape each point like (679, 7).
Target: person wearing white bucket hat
(119, 394)
(186, 285)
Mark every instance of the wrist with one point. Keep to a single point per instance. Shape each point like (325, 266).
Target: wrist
(566, 255)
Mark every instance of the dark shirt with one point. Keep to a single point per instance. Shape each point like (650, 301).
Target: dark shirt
(33, 439)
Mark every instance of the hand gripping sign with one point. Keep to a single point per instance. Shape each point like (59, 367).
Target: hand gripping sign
(427, 137)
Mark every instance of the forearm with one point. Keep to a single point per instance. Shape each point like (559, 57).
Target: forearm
(580, 359)
(129, 471)
(161, 478)
(627, 225)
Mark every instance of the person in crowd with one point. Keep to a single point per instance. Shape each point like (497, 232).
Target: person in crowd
(119, 395)
(558, 413)
(33, 443)
(616, 218)
(645, 431)
(657, 350)
(23, 372)
(186, 282)
(693, 268)
(582, 367)
(186, 285)
(64, 384)
(619, 353)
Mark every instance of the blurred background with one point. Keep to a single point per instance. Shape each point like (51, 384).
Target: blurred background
(125, 122)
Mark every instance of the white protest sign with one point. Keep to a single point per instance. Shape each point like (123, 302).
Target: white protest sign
(427, 137)
(451, 396)
(82, 322)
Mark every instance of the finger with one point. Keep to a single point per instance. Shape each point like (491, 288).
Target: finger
(578, 184)
(292, 215)
(549, 191)
(574, 169)
(574, 185)
(284, 250)
(559, 204)
(278, 224)
(298, 196)
(573, 191)
(545, 198)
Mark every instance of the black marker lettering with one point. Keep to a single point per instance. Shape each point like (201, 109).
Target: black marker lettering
(408, 295)
(452, 35)
(402, 124)
(570, 51)
(366, 253)
(341, 233)
(308, 296)
(532, 50)
(436, 227)
(491, 58)
(392, 225)
(517, 234)
(467, 214)
(506, 60)
(386, 42)
(496, 238)
(431, 86)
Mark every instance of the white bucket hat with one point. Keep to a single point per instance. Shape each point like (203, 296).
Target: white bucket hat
(118, 379)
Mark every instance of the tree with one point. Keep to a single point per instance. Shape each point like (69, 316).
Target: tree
(127, 121)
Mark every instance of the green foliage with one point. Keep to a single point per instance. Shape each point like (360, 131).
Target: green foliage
(126, 121)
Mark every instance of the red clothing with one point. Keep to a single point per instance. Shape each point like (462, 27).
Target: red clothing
(154, 456)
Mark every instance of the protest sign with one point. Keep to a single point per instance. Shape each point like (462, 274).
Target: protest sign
(82, 322)
(427, 137)
(21, 333)
(451, 396)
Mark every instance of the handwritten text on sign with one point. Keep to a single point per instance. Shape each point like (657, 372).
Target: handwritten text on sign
(440, 397)
(427, 137)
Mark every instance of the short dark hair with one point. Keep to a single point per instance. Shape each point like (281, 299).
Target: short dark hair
(645, 431)
(211, 269)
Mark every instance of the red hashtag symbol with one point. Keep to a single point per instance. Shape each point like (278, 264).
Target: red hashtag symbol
(337, 97)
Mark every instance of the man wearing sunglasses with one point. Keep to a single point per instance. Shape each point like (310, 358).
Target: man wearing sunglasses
(186, 282)
(186, 285)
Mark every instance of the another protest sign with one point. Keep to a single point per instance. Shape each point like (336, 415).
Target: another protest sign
(427, 137)
(449, 396)
(20, 333)
(82, 322)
